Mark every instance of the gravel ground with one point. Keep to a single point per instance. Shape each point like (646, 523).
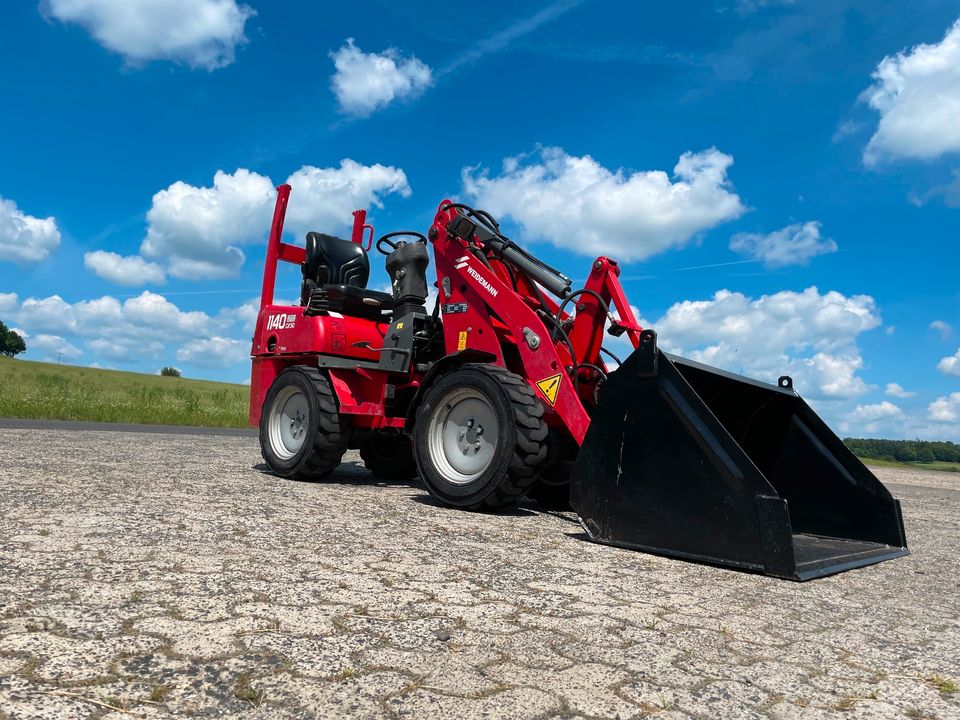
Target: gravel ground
(151, 575)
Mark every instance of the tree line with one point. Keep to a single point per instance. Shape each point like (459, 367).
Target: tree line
(904, 450)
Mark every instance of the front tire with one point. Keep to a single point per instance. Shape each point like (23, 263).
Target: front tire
(301, 433)
(480, 437)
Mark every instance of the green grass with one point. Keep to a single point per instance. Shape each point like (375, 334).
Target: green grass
(935, 465)
(63, 392)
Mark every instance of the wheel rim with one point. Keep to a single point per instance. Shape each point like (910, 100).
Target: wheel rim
(289, 422)
(463, 435)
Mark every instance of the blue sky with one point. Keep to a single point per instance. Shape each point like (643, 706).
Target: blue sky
(780, 179)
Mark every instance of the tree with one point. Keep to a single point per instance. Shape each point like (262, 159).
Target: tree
(169, 372)
(11, 343)
(925, 454)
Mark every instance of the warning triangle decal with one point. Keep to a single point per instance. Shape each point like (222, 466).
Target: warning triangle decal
(549, 387)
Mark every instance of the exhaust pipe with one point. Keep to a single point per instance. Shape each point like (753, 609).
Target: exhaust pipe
(689, 461)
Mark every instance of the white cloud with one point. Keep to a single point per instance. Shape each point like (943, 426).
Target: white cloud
(808, 335)
(148, 326)
(877, 411)
(872, 419)
(197, 33)
(24, 238)
(155, 311)
(896, 390)
(945, 409)
(198, 231)
(950, 365)
(53, 345)
(795, 244)
(214, 352)
(145, 316)
(365, 82)
(943, 328)
(126, 350)
(917, 94)
(324, 198)
(8, 302)
(576, 203)
(52, 314)
(131, 270)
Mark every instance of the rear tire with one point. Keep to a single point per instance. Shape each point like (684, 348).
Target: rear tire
(479, 437)
(302, 435)
(389, 457)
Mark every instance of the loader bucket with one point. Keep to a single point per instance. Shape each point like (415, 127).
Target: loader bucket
(685, 460)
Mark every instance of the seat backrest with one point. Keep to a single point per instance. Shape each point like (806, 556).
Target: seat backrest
(334, 261)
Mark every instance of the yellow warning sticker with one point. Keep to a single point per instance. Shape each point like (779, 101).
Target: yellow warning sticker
(399, 326)
(462, 340)
(549, 386)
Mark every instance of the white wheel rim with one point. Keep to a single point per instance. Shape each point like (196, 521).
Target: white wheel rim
(289, 422)
(462, 436)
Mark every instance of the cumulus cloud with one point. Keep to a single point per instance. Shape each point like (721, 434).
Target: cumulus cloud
(24, 238)
(576, 203)
(326, 197)
(877, 411)
(51, 314)
(942, 328)
(945, 409)
(129, 327)
(808, 335)
(131, 270)
(917, 94)
(8, 302)
(871, 418)
(54, 346)
(795, 244)
(950, 365)
(365, 82)
(148, 326)
(896, 390)
(198, 33)
(198, 231)
(214, 352)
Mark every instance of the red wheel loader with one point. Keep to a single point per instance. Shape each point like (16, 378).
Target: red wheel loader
(502, 392)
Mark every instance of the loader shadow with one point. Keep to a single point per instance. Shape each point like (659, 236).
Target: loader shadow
(516, 511)
(356, 475)
(349, 473)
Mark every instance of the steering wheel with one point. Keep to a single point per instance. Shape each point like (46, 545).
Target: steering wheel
(385, 240)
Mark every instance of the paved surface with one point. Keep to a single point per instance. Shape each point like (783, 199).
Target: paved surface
(148, 575)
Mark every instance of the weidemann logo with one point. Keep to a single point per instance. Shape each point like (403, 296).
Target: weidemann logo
(486, 286)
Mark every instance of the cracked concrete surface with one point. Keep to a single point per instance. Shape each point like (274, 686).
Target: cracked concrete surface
(155, 575)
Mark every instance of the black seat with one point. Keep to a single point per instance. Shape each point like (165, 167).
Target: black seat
(335, 275)
(334, 261)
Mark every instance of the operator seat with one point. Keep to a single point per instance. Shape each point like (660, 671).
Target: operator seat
(334, 261)
(340, 269)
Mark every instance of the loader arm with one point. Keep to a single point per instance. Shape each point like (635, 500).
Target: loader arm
(475, 298)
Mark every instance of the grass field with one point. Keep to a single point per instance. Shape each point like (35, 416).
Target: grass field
(63, 392)
(935, 465)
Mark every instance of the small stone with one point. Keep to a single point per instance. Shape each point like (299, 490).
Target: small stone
(441, 635)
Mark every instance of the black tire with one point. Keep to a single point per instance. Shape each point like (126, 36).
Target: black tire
(324, 435)
(552, 488)
(506, 466)
(389, 457)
